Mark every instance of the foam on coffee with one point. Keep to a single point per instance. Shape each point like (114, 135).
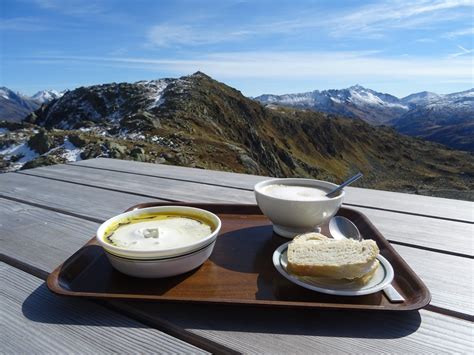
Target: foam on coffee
(297, 193)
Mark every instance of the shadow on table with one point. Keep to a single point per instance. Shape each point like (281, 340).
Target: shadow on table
(332, 323)
(44, 307)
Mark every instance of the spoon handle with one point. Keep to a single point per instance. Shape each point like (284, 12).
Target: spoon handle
(393, 295)
(344, 184)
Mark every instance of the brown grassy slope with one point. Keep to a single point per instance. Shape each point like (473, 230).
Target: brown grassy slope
(230, 132)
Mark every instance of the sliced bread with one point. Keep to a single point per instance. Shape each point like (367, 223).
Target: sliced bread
(302, 238)
(337, 259)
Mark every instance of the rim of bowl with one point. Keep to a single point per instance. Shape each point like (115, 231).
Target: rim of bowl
(282, 181)
(157, 253)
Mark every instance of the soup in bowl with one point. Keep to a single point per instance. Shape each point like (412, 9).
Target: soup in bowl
(297, 206)
(159, 241)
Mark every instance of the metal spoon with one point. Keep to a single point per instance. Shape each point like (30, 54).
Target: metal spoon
(344, 184)
(342, 228)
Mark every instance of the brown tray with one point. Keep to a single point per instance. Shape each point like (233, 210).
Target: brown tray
(239, 271)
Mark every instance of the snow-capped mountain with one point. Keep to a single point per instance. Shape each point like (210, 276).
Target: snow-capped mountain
(447, 119)
(372, 106)
(15, 106)
(45, 96)
(420, 98)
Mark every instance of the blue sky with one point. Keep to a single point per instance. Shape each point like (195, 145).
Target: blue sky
(399, 47)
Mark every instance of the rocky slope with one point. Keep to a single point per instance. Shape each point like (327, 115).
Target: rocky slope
(446, 119)
(199, 122)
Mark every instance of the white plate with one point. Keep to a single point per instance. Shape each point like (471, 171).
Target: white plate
(382, 277)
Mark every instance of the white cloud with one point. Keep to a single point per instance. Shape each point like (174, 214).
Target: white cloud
(22, 24)
(464, 51)
(71, 7)
(382, 16)
(459, 33)
(369, 21)
(353, 66)
(166, 35)
(169, 35)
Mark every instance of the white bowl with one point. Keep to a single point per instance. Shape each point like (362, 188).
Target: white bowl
(293, 217)
(160, 268)
(160, 253)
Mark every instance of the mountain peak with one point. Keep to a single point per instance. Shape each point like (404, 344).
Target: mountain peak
(45, 96)
(357, 87)
(200, 74)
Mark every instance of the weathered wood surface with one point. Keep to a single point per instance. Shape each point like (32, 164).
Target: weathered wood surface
(86, 195)
(152, 187)
(45, 238)
(65, 232)
(283, 331)
(90, 202)
(39, 237)
(33, 320)
(431, 206)
(416, 230)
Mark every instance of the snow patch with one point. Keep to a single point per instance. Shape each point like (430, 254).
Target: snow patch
(19, 149)
(155, 91)
(3, 131)
(71, 152)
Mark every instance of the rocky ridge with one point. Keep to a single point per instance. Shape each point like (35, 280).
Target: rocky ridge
(196, 121)
(445, 119)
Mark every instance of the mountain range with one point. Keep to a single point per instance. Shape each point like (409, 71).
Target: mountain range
(14, 106)
(199, 122)
(446, 119)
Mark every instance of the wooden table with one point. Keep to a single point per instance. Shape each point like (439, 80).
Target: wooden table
(47, 213)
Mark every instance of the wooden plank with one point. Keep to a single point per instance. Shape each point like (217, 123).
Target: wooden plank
(98, 204)
(220, 178)
(39, 237)
(56, 236)
(90, 202)
(33, 320)
(431, 206)
(287, 331)
(432, 233)
(151, 187)
(449, 278)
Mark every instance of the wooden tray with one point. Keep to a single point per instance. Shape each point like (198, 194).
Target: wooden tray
(239, 271)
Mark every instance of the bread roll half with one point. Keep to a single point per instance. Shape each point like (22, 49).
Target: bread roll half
(336, 259)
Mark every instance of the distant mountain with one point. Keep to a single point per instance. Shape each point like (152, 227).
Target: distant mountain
(45, 96)
(199, 122)
(445, 119)
(420, 99)
(13, 106)
(373, 107)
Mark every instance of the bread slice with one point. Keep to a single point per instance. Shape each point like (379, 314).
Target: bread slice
(366, 278)
(361, 281)
(336, 259)
(302, 238)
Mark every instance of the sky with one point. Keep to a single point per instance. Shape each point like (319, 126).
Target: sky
(259, 46)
